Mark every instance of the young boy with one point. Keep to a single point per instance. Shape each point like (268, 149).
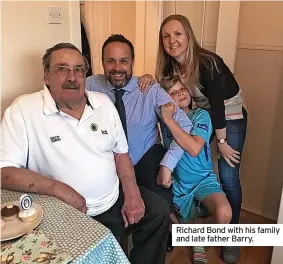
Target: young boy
(195, 184)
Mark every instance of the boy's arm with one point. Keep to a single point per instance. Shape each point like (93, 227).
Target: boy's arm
(190, 143)
(174, 152)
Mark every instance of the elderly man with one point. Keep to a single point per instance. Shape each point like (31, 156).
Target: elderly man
(67, 142)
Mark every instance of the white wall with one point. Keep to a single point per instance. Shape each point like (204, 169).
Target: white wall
(25, 37)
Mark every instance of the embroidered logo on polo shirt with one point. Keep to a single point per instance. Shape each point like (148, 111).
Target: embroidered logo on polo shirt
(94, 127)
(104, 132)
(55, 139)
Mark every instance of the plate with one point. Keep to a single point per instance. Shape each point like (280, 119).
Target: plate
(17, 227)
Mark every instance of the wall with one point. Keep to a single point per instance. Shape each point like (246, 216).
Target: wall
(259, 70)
(25, 37)
(148, 20)
(227, 33)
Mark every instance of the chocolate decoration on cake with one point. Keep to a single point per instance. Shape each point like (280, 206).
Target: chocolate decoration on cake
(9, 212)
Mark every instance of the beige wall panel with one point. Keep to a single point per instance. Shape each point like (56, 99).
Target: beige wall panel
(227, 33)
(194, 12)
(148, 19)
(140, 37)
(103, 29)
(210, 48)
(261, 23)
(121, 24)
(169, 8)
(260, 76)
(152, 24)
(25, 37)
(98, 28)
(75, 23)
(210, 23)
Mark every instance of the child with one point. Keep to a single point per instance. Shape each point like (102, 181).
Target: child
(195, 184)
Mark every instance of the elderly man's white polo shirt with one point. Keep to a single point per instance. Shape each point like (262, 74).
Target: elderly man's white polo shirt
(37, 136)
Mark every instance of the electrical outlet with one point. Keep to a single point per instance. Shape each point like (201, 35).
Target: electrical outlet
(54, 15)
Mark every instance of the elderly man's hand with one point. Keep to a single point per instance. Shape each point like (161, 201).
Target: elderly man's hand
(68, 195)
(133, 209)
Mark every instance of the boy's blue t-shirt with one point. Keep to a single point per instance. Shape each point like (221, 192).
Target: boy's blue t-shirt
(196, 167)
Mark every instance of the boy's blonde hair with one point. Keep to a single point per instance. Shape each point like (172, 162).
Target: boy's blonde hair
(168, 82)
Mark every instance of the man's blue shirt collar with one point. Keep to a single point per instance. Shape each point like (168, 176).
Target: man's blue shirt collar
(129, 87)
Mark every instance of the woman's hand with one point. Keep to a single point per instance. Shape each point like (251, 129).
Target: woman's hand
(229, 154)
(145, 81)
(167, 111)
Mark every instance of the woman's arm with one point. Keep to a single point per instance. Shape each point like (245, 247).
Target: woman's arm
(219, 84)
(145, 81)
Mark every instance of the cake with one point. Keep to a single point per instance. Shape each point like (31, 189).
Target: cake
(28, 215)
(9, 212)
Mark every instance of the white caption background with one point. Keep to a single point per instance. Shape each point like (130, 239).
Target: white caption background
(227, 235)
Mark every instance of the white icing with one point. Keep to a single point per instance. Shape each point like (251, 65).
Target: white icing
(27, 213)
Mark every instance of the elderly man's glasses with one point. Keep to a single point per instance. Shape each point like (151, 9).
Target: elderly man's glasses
(65, 71)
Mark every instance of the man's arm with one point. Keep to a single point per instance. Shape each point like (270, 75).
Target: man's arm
(133, 208)
(24, 180)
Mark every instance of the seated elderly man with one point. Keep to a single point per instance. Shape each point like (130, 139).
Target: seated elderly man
(68, 142)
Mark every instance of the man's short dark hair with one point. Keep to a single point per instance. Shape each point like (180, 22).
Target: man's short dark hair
(47, 56)
(118, 38)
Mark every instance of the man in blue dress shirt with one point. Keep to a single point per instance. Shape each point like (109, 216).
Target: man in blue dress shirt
(142, 111)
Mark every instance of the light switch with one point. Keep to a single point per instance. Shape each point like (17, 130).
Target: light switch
(54, 15)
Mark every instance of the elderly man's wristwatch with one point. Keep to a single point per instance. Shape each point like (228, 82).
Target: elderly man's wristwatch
(221, 140)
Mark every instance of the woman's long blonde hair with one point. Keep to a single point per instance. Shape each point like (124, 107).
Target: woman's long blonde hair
(168, 66)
